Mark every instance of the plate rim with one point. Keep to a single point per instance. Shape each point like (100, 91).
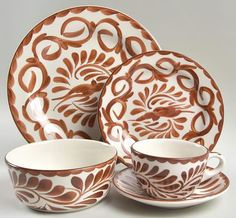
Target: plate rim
(22, 128)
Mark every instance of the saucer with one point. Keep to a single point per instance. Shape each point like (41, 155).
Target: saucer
(126, 184)
(60, 67)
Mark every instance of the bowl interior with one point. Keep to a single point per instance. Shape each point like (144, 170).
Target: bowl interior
(61, 154)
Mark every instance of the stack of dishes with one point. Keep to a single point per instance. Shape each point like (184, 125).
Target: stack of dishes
(88, 74)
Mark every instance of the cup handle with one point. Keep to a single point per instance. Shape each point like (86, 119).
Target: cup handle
(213, 172)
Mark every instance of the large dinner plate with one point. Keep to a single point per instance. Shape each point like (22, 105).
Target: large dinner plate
(160, 94)
(60, 67)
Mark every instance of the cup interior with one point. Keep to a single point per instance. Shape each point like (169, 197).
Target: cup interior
(61, 154)
(169, 148)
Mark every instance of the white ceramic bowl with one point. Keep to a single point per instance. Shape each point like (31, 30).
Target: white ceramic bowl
(62, 175)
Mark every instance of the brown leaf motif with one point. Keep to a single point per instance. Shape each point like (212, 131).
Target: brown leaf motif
(80, 101)
(43, 194)
(160, 183)
(160, 112)
(93, 187)
(32, 190)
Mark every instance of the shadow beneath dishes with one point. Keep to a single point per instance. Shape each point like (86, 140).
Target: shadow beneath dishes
(129, 206)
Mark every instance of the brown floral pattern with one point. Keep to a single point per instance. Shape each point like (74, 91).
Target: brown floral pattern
(60, 67)
(160, 94)
(65, 192)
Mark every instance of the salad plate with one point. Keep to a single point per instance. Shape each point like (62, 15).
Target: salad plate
(160, 94)
(127, 185)
(60, 67)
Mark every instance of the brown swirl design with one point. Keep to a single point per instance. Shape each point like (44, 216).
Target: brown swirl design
(160, 94)
(60, 67)
(171, 106)
(208, 188)
(46, 191)
(80, 102)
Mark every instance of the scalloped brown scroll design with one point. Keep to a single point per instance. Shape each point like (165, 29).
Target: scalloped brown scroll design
(56, 77)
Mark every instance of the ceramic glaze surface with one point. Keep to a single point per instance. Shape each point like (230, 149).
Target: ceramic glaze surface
(60, 67)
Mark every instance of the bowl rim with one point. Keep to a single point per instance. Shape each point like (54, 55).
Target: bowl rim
(85, 168)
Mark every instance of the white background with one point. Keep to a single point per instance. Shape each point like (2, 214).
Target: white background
(204, 30)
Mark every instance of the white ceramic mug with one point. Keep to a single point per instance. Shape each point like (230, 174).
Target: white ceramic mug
(172, 169)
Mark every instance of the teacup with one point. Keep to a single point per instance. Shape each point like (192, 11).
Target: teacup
(61, 175)
(172, 169)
